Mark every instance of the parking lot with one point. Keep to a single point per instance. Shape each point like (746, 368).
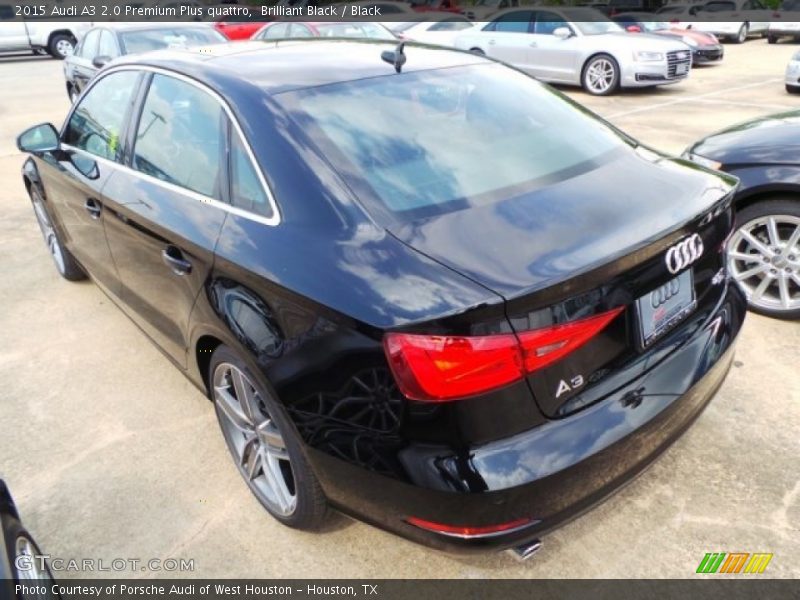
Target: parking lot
(111, 453)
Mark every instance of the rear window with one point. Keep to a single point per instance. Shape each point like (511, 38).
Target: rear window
(442, 140)
(155, 39)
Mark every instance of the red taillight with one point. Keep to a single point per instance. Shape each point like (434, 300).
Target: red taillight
(441, 368)
(470, 532)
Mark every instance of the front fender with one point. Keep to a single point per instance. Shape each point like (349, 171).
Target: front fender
(756, 180)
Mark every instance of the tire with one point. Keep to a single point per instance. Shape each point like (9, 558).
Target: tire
(61, 45)
(760, 267)
(600, 75)
(771, 39)
(741, 37)
(20, 542)
(264, 443)
(66, 265)
(792, 89)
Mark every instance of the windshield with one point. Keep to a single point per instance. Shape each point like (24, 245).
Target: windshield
(436, 141)
(146, 40)
(355, 30)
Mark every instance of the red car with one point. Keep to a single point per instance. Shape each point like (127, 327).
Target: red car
(234, 28)
(705, 46)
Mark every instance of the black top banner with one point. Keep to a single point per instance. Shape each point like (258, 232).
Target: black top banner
(677, 12)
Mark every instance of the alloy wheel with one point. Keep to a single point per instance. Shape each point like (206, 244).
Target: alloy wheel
(742, 36)
(254, 439)
(64, 47)
(764, 258)
(600, 75)
(48, 232)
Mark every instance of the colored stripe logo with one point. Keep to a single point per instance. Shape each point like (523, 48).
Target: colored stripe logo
(734, 562)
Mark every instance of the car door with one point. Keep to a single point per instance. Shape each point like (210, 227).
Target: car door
(508, 37)
(163, 213)
(91, 155)
(553, 58)
(81, 63)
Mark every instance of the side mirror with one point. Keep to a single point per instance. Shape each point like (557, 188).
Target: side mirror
(42, 138)
(634, 29)
(562, 33)
(101, 61)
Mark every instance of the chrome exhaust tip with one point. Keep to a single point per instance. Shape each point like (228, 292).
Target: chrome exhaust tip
(525, 551)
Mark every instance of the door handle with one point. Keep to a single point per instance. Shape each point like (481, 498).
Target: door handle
(492, 42)
(533, 44)
(173, 258)
(93, 207)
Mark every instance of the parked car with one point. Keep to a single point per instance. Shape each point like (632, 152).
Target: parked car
(680, 15)
(102, 44)
(483, 9)
(439, 28)
(745, 18)
(705, 46)
(793, 74)
(764, 251)
(56, 38)
(21, 560)
(385, 320)
(337, 29)
(781, 24)
(242, 27)
(579, 46)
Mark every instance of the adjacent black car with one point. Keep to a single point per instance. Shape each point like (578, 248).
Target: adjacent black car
(102, 44)
(412, 281)
(764, 251)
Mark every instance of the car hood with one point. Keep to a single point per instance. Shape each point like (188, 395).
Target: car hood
(624, 40)
(772, 139)
(529, 242)
(701, 37)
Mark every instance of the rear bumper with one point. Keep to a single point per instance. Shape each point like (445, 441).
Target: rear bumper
(552, 473)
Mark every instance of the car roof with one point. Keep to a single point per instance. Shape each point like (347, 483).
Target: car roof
(279, 66)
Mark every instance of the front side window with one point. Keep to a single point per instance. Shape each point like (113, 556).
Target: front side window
(108, 46)
(178, 139)
(145, 40)
(97, 122)
(89, 44)
(247, 192)
(548, 22)
(437, 141)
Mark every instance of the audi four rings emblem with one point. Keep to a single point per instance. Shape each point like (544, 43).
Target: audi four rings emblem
(665, 292)
(684, 253)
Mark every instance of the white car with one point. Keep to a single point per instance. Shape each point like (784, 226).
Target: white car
(56, 38)
(579, 46)
(441, 29)
(745, 18)
(793, 74)
(782, 25)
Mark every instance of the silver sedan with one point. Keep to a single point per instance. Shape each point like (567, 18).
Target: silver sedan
(793, 74)
(579, 46)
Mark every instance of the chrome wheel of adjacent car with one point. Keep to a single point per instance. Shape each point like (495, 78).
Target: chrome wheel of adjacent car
(764, 258)
(48, 232)
(254, 439)
(601, 75)
(741, 37)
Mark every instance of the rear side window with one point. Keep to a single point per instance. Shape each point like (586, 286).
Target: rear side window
(247, 192)
(178, 139)
(279, 30)
(96, 124)
(514, 22)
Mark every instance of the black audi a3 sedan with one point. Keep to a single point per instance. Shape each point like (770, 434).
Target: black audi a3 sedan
(412, 281)
(764, 251)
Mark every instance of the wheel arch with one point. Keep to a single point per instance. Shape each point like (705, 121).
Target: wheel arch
(66, 32)
(751, 196)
